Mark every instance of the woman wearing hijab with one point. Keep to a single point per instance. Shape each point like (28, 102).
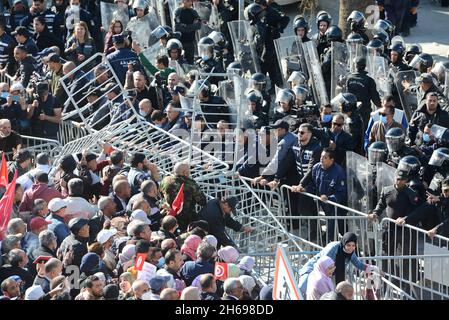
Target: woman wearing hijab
(342, 252)
(189, 247)
(320, 280)
(126, 280)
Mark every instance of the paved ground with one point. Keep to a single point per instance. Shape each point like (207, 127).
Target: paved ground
(432, 31)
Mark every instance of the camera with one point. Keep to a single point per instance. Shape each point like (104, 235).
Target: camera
(308, 112)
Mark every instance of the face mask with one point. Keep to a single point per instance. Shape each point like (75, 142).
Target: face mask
(426, 137)
(205, 57)
(4, 95)
(327, 118)
(74, 7)
(161, 262)
(143, 113)
(383, 119)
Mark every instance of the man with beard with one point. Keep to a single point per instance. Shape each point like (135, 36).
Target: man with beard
(10, 141)
(139, 172)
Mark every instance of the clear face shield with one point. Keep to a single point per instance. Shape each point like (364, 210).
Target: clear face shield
(438, 131)
(437, 159)
(260, 86)
(394, 143)
(301, 94)
(297, 78)
(159, 32)
(376, 155)
(440, 70)
(205, 51)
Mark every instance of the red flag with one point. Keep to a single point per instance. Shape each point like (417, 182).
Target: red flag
(140, 260)
(4, 171)
(176, 206)
(221, 271)
(6, 204)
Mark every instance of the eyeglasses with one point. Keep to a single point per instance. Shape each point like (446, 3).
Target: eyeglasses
(303, 132)
(337, 124)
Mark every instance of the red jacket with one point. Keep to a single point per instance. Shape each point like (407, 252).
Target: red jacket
(38, 191)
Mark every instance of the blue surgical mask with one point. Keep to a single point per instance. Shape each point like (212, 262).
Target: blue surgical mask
(426, 137)
(16, 98)
(4, 95)
(161, 262)
(327, 118)
(205, 57)
(143, 113)
(383, 119)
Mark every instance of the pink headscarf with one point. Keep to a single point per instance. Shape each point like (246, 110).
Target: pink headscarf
(190, 245)
(318, 282)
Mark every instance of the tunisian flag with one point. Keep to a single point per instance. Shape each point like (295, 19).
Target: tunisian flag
(6, 205)
(176, 206)
(221, 271)
(4, 172)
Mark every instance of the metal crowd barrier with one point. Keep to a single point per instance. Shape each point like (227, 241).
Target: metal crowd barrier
(6, 78)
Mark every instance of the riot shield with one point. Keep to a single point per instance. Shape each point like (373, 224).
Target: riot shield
(385, 177)
(172, 6)
(140, 30)
(358, 173)
(158, 6)
(315, 74)
(378, 70)
(355, 50)
(288, 51)
(446, 84)
(242, 36)
(151, 53)
(339, 68)
(209, 17)
(73, 17)
(408, 99)
(111, 11)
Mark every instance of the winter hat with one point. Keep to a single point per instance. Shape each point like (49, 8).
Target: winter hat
(127, 253)
(246, 263)
(89, 262)
(248, 283)
(210, 239)
(266, 293)
(228, 254)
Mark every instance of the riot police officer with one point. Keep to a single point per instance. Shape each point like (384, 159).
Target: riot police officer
(377, 152)
(259, 82)
(411, 51)
(255, 117)
(214, 107)
(206, 63)
(422, 62)
(364, 88)
(440, 160)
(264, 44)
(347, 103)
(276, 20)
(356, 22)
(333, 34)
(174, 51)
(285, 100)
(301, 28)
(187, 21)
(412, 166)
(395, 139)
(323, 22)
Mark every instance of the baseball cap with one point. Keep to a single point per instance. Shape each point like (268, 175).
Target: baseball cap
(424, 78)
(118, 38)
(281, 124)
(34, 292)
(158, 281)
(53, 57)
(56, 204)
(111, 86)
(140, 215)
(16, 87)
(76, 224)
(38, 222)
(105, 234)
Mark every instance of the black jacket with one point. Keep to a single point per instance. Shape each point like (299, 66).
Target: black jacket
(421, 117)
(364, 88)
(217, 221)
(95, 226)
(78, 245)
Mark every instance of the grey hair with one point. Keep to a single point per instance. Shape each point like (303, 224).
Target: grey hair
(339, 116)
(133, 226)
(14, 225)
(147, 185)
(38, 204)
(46, 237)
(9, 242)
(103, 202)
(343, 286)
(179, 167)
(230, 285)
(136, 284)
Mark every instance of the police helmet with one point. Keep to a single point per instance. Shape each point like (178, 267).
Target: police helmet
(259, 81)
(256, 97)
(162, 31)
(399, 49)
(300, 22)
(440, 157)
(287, 96)
(354, 37)
(383, 25)
(409, 165)
(440, 70)
(422, 62)
(218, 38)
(413, 49)
(377, 152)
(174, 44)
(323, 16)
(297, 78)
(140, 4)
(395, 139)
(301, 93)
(347, 101)
(357, 21)
(382, 36)
(204, 87)
(205, 46)
(375, 45)
(253, 12)
(334, 33)
(235, 67)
